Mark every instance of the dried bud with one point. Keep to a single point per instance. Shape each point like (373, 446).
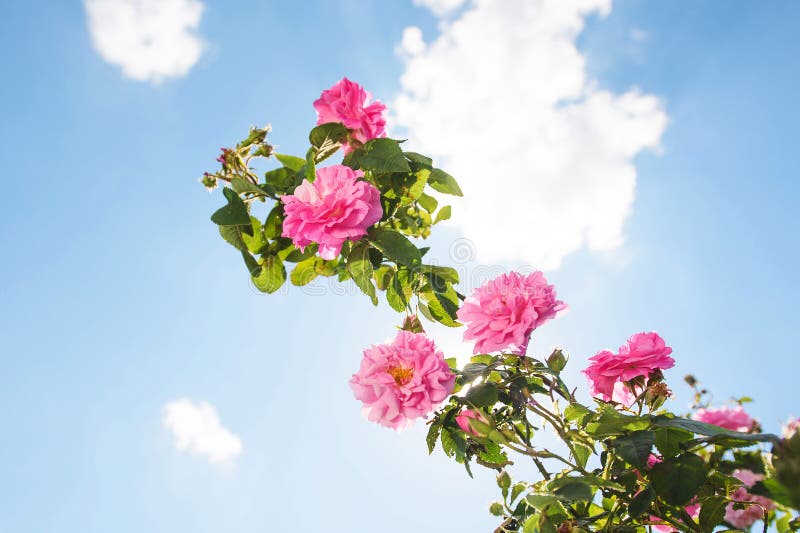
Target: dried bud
(209, 181)
(412, 324)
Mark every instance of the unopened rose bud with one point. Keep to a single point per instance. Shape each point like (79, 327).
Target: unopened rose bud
(465, 421)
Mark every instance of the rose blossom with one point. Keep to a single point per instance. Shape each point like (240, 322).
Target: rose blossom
(503, 313)
(747, 516)
(336, 207)
(791, 427)
(734, 419)
(401, 381)
(347, 102)
(643, 354)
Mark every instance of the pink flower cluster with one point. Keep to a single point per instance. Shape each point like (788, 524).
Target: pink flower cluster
(749, 514)
(336, 207)
(502, 314)
(401, 381)
(608, 372)
(347, 102)
(734, 419)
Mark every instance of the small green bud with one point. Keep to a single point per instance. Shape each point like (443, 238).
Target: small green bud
(496, 508)
(557, 361)
(503, 480)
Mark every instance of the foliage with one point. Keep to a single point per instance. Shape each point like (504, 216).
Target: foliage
(620, 468)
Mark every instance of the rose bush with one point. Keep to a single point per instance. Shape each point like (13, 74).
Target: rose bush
(624, 463)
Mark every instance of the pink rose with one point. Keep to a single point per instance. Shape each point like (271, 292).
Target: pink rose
(749, 514)
(336, 207)
(791, 427)
(463, 418)
(608, 372)
(693, 509)
(653, 460)
(734, 419)
(503, 313)
(348, 103)
(401, 381)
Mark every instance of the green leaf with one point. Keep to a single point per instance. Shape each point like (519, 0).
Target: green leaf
(280, 178)
(295, 255)
(453, 443)
(612, 422)
(541, 502)
(516, 490)
(576, 411)
(233, 236)
(272, 275)
(493, 453)
(243, 186)
(482, 395)
(678, 479)
(442, 307)
(776, 491)
(429, 203)
(695, 426)
(419, 159)
(443, 214)
(395, 296)
(310, 166)
(444, 182)
(360, 269)
(408, 190)
(641, 502)
(304, 272)
(326, 139)
(255, 242)
(395, 246)
(474, 370)
(384, 155)
(274, 223)
(445, 273)
(571, 489)
(712, 513)
(634, 448)
(669, 440)
(531, 525)
(233, 214)
(433, 436)
(291, 162)
(582, 453)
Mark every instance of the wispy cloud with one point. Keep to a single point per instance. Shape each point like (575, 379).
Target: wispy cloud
(440, 7)
(502, 98)
(151, 40)
(197, 429)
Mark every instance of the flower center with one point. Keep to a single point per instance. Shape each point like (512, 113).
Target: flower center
(400, 374)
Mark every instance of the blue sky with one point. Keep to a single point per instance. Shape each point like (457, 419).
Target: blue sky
(118, 296)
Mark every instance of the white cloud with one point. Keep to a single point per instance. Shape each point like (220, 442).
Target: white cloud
(639, 35)
(440, 7)
(545, 158)
(196, 429)
(150, 39)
